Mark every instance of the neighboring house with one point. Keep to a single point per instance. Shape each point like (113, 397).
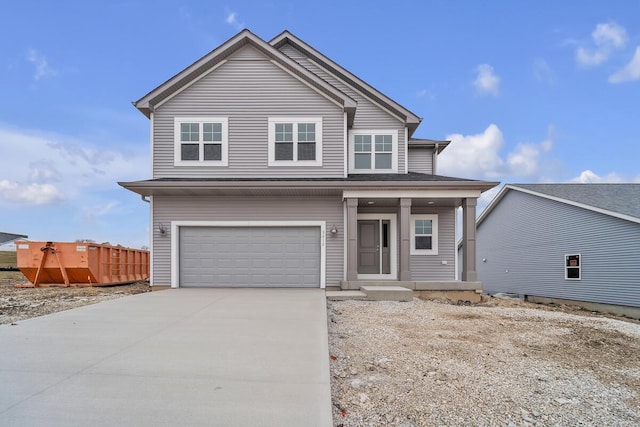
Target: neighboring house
(274, 166)
(576, 243)
(9, 237)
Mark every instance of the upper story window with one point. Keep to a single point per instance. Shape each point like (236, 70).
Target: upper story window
(295, 141)
(373, 151)
(201, 141)
(424, 234)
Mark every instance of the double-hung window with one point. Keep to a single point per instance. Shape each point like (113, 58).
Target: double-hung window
(424, 234)
(201, 141)
(295, 141)
(373, 151)
(572, 267)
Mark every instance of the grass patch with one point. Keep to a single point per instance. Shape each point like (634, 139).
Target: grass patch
(8, 259)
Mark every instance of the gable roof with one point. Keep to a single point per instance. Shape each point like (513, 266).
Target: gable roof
(218, 56)
(412, 120)
(616, 200)
(7, 237)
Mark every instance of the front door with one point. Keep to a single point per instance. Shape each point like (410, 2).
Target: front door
(373, 246)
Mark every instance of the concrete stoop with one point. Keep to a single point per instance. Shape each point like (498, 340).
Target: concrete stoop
(373, 293)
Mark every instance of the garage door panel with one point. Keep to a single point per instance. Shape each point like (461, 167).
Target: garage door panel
(249, 256)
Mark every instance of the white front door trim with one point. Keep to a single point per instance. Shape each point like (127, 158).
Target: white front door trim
(393, 245)
(175, 240)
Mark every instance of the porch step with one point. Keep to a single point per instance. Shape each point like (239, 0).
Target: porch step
(387, 293)
(345, 295)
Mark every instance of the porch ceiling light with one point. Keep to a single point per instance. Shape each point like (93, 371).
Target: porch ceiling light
(370, 202)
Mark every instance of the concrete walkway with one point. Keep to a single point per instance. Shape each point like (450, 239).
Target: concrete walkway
(180, 357)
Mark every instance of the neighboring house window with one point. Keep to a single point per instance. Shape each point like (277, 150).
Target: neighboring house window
(424, 234)
(295, 141)
(572, 267)
(373, 151)
(201, 141)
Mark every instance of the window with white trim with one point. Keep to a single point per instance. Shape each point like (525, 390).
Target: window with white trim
(424, 234)
(373, 151)
(201, 141)
(295, 141)
(572, 267)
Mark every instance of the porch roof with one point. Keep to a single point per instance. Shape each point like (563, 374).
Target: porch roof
(313, 186)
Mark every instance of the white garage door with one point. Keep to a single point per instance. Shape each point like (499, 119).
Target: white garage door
(249, 256)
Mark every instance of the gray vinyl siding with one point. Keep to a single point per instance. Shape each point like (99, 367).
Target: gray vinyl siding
(248, 89)
(421, 160)
(524, 240)
(190, 208)
(430, 267)
(368, 114)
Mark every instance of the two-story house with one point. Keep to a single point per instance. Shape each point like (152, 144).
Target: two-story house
(274, 166)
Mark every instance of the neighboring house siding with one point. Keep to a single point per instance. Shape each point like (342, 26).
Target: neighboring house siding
(430, 267)
(421, 160)
(368, 114)
(528, 236)
(248, 89)
(199, 208)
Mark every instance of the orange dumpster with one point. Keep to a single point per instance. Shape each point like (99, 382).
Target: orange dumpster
(80, 264)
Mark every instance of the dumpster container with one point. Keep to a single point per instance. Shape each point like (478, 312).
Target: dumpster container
(80, 264)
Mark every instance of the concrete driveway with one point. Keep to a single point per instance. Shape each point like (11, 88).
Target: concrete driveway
(180, 357)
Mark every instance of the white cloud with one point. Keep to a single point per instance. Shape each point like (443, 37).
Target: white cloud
(232, 19)
(543, 72)
(478, 156)
(607, 37)
(487, 82)
(46, 169)
(590, 177)
(610, 34)
(424, 93)
(30, 194)
(473, 155)
(629, 72)
(588, 58)
(42, 67)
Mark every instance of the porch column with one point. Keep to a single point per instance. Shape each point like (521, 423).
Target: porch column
(469, 273)
(352, 239)
(405, 239)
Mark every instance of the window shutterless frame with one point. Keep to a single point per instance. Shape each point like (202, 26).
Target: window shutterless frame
(373, 151)
(295, 141)
(201, 141)
(424, 234)
(572, 267)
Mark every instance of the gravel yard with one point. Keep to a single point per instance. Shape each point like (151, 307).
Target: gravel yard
(426, 363)
(23, 303)
(498, 363)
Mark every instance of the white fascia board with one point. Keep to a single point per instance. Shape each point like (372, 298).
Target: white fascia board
(411, 117)
(402, 120)
(306, 83)
(416, 194)
(175, 240)
(191, 83)
(492, 204)
(577, 204)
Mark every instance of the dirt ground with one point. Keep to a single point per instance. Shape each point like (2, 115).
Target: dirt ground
(23, 303)
(423, 363)
(496, 363)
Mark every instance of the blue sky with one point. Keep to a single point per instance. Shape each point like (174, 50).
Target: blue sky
(531, 91)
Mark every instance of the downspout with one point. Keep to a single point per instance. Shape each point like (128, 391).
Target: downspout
(144, 199)
(434, 161)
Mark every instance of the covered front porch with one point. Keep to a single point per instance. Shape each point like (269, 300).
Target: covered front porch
(408, 239)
